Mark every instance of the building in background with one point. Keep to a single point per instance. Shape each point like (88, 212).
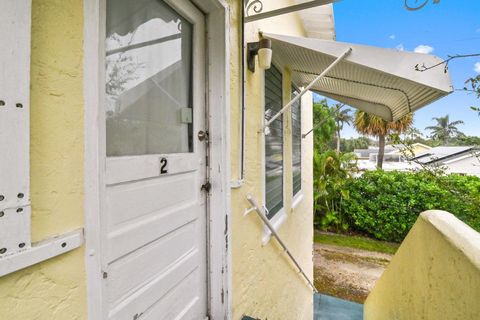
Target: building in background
(396, 157)
(461, 160)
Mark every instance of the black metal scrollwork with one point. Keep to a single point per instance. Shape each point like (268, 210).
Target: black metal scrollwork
(417, 6)
(255, 5)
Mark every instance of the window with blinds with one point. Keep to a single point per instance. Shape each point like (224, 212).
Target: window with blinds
(296, 143)
(273, 143)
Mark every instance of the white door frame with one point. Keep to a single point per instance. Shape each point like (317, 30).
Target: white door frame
(218, 106)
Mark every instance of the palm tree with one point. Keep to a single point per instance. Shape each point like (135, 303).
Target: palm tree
(372, 125)
(342, 117)
(445, 130)
(413, 135)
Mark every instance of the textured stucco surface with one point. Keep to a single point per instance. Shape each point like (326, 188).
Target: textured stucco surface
(434, 275)
(265, 284)
(54, 289)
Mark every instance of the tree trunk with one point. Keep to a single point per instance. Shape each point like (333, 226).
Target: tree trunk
(338, 142)
(381, 151)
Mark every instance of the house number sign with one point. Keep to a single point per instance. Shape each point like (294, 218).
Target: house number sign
(163, 166)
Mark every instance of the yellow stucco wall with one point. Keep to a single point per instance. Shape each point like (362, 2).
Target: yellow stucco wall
(54, 289)
(265, 284)
(434, 275)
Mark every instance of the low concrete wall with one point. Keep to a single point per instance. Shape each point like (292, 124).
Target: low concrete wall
(434, 275)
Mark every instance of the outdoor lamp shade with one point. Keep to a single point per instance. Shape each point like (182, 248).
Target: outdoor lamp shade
(262, 49)
(264, 58)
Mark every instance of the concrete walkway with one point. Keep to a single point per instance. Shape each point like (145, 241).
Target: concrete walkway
(347, 273)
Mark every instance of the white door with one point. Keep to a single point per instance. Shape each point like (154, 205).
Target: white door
(154, 221)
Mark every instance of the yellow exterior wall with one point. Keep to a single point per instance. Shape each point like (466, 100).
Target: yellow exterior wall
(418, 148)
(434, 275)
(54, 289)
(266, 285)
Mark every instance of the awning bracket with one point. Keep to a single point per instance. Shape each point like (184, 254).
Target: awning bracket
(306, 89)
(257, 7)
(304, 135)
(261, 213)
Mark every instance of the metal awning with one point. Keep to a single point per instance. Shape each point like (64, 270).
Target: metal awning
(376, 80)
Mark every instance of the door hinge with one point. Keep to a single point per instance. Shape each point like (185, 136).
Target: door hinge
(206, 187)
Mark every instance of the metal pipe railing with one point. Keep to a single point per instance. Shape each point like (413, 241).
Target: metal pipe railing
(265, 220)
(305, 90)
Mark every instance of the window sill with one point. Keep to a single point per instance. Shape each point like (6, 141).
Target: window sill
(276, 222)
(297, 200)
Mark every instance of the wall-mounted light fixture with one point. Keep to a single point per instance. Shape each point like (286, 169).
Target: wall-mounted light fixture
(262, 49)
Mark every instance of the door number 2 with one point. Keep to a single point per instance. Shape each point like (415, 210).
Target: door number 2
(163, 166)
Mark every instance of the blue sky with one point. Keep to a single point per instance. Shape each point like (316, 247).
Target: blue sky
(449, 27)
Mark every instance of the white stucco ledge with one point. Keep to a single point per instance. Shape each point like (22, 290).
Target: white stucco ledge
(276, 222)
(435, 273)
(297, 200)
(41, 251)
(458, 233)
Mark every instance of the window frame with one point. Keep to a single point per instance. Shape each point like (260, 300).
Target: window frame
(298, 196)
(281, 215)
(193, 70)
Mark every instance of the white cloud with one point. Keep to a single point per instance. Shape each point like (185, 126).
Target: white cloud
(392, 37)
(400, 47)
(477, 67)
(424, 49)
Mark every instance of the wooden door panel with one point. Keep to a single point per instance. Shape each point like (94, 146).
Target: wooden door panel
(154, 239)
(131, 202)
(155, 290)
(134, 235)
(171, 307)
(149, 262)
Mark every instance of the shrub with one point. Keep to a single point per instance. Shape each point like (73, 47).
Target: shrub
(385, 205)
(331, 172)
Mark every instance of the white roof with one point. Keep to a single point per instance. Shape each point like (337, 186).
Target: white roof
(376, 80)
(438, 154)
(388, 165)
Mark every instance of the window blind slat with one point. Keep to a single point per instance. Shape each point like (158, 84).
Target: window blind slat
(273, 143)
(296, 144)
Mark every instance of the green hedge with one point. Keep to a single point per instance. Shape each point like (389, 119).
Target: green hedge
(385, 205)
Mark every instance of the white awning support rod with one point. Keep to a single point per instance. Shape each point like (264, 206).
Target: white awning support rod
(262, 216)
(290, 9)
(323, 74)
